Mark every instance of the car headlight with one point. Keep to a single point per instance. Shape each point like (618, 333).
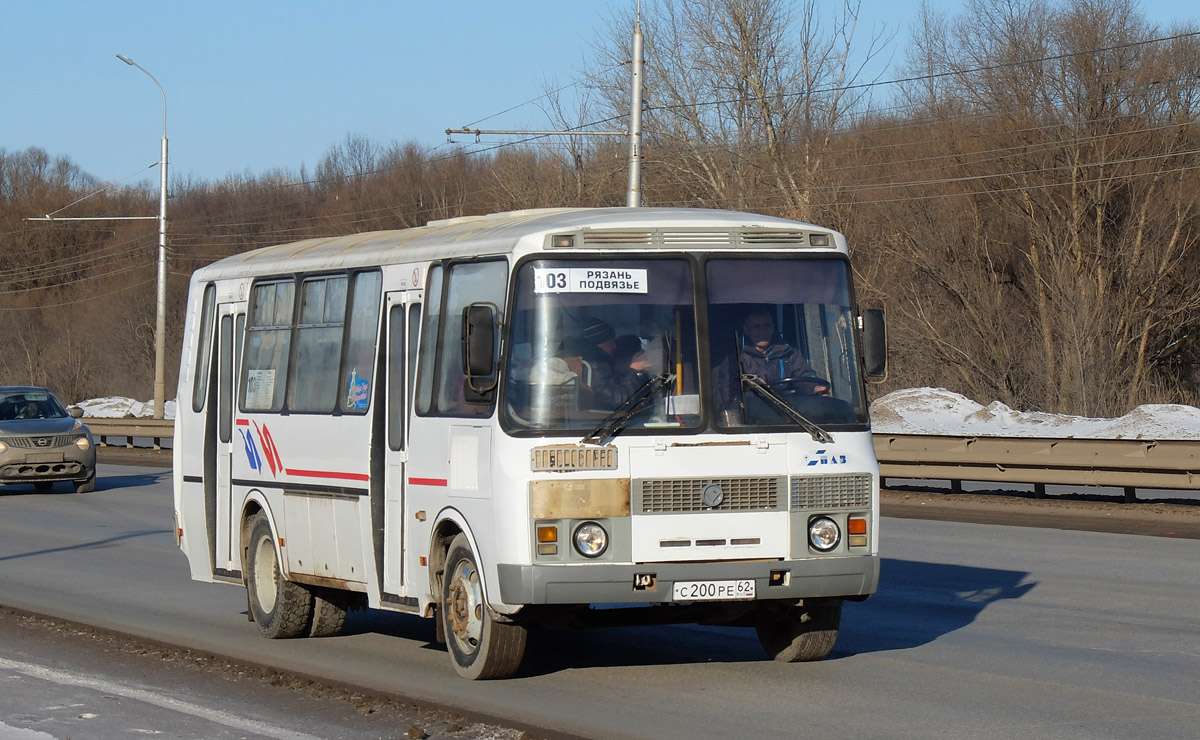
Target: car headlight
(824, 533)
(83, 443)
(590, 540)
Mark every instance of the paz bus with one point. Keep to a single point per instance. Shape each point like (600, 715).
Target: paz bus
(532, 419)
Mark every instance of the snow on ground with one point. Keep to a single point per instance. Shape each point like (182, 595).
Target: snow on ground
(910, 411)
(116, 407)
(939, 411)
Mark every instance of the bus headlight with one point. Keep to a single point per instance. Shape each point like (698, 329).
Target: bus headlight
(590, 540)
(3, 448)
(83, 443)
(823, 533)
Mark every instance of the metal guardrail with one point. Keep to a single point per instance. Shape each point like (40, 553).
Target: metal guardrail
(1128, 464)
(1124, 463)
(107, 430)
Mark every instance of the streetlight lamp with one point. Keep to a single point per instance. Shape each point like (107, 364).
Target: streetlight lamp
(160, 328)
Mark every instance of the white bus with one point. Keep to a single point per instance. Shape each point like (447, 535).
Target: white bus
(503, 422)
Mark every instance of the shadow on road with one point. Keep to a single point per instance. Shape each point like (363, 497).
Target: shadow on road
(90, 544)
(916, 604)
(919, 602)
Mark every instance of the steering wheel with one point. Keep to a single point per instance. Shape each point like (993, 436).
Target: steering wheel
(805, 385)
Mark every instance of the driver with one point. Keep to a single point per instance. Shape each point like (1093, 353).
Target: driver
(760, 355)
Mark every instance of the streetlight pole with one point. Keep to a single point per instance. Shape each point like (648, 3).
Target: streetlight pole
(160, 328)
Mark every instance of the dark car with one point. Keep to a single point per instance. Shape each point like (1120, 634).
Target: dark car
(43, 443)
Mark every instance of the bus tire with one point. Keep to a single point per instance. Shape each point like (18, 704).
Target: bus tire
(796, 633)
(480, 647)
(329, 611)
(280, 608)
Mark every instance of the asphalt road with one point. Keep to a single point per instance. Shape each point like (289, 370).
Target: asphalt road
(978, 630)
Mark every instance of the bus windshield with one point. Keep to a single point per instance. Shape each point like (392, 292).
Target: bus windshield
(781, 342)
(590, 337)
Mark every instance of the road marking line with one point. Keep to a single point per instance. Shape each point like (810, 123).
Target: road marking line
(156, 699)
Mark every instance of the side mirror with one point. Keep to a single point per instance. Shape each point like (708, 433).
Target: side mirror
(75, 412)
(874, 345)
(479, 345)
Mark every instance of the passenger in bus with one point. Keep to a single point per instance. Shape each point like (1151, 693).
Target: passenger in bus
(613, 379)
(763, 353)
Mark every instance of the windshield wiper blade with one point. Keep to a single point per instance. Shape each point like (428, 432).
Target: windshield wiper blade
(769, 393)
(612, 424)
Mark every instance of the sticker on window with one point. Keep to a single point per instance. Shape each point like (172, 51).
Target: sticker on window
(358, 392)
(589, 280)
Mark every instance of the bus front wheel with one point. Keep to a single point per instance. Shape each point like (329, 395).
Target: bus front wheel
(795, 633)
(480, 647)
(280, 607)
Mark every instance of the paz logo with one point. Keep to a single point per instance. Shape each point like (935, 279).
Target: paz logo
(823, 457)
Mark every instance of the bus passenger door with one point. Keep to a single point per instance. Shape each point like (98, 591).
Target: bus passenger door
(403, 309)
(231, 327)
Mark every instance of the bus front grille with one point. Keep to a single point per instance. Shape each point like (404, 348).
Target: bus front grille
(851, 491)
(682, 495)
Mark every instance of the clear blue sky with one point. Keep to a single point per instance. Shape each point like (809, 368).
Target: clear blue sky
(255, 85)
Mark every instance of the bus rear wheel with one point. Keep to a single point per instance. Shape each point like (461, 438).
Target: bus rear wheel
(480, 647)
(798, 632)
(329, 611)
(280, 608)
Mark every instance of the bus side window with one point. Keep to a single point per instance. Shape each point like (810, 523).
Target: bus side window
(268, 346)
(361, 338)
(396, 367)
(449, 290)
(204, 349)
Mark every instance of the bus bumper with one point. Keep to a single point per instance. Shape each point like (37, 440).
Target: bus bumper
(607, 583)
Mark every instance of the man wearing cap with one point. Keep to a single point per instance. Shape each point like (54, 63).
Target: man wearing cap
(610, 384)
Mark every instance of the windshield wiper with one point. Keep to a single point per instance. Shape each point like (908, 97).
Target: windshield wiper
(769, 393)
(612, 424)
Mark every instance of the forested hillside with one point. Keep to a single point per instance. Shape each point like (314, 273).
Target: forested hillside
(1024, 201)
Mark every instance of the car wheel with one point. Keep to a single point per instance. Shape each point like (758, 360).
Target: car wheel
(86, 486)
(280, 608)
(794, 633)
(480, 647)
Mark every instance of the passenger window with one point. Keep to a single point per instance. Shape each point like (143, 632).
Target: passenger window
(359, 366)
(314, 382)
(204, 349)
(268, 345)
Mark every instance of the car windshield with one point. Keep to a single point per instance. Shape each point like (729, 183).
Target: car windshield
(19, 405)
(589, 338)
(781, 332)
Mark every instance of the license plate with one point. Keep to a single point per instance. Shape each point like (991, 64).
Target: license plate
(713, 590)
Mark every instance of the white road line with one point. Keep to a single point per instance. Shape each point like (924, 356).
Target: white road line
(156, 699)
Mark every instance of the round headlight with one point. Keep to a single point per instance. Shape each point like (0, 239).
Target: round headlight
(824, 534)
(3, 447)
(590, 540)
(82, 443)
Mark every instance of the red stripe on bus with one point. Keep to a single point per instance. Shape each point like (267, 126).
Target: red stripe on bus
(328, 474)
(243, 422)
(428, 482)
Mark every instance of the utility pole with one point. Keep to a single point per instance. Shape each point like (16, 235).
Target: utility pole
(160, 327)
(633, 195)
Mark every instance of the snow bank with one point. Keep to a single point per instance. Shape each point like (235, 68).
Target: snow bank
(939, 411)
(123, 408)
